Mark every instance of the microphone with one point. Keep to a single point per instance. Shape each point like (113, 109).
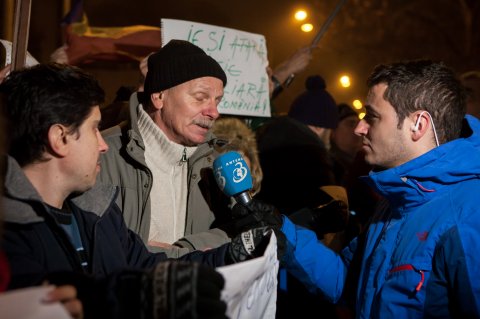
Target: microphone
(233, 176)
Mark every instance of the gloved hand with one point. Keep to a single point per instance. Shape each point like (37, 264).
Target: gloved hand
(248, 245)
(258, 214)
(331, 217)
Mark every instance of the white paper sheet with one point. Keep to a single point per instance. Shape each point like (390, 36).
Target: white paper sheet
(27, 304)
(251, 286)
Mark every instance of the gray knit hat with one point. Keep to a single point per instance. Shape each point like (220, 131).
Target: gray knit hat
(177, 62)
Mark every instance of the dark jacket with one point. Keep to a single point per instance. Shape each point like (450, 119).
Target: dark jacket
(36, 246)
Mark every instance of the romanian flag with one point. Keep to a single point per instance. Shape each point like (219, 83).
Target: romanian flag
(87, 44)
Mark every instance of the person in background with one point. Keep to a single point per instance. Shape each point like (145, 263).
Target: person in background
(316, 108)
(239, 137)
(232, 135)
(62, 226)
(280, 78)
(471, 80)
(348, 166)
(419, 256)
(344, 143)
(283, 74)
(294, 145)
(299, 181)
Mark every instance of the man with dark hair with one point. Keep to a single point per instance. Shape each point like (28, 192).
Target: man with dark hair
(419, 256)
(55, 148)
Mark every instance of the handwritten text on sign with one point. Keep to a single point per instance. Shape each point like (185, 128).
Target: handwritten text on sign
(243, 57)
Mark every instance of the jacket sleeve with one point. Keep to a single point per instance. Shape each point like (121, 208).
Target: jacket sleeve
(139, 256)
(454, 278)
(204, 240)
(200, 241)
(319, 268)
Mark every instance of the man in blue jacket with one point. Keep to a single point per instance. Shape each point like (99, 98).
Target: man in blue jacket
(420, 257)
(51, 233)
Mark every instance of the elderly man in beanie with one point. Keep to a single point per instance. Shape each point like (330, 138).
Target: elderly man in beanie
(156, 156)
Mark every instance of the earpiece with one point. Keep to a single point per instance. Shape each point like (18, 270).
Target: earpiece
(414, 128)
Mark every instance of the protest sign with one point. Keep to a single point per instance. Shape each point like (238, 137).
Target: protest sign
(243, 57)
(251, 286)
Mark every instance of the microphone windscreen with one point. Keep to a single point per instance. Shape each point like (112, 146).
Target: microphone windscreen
(232, 173)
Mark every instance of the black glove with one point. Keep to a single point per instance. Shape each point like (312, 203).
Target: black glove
(249, 244)
(173, 289)
(331, 217)
(256, 215)
(187, 290)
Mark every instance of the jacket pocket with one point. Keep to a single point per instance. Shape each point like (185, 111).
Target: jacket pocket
(403, 293)
(405, 268)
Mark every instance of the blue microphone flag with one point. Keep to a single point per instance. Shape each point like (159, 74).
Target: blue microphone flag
(232, 173)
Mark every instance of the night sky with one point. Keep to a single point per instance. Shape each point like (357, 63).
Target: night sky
(364, 34)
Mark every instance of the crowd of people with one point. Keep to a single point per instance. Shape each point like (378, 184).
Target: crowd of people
(374, 217)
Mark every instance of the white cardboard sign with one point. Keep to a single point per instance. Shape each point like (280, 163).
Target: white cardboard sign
(243, 57)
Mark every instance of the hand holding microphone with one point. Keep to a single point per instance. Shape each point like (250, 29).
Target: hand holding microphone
(234, 179)
(250, 217)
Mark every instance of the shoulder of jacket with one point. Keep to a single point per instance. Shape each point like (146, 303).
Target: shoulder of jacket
(19, 212)
(98, 199)
(116, 131)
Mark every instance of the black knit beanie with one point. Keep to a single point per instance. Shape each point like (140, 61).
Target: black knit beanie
(344, 111)
(178, 62)
(315, 106)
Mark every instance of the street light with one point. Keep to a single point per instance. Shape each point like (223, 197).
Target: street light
(300, 15)
(306, 27)
(345, 81)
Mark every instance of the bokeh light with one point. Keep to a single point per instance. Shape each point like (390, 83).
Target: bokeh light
(345, 81)
(307, 27)
(357, 104)
(300, 15)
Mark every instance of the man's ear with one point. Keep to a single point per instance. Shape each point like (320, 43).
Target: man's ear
(157, 100)
(58, 139)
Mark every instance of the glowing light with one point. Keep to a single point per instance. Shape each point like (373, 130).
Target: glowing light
(357, 104)
(361, 115)
(300, 15)
(345, 81)
(307, 27)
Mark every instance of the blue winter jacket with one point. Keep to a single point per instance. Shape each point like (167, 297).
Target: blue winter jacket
(421, 256)
(37, 246)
